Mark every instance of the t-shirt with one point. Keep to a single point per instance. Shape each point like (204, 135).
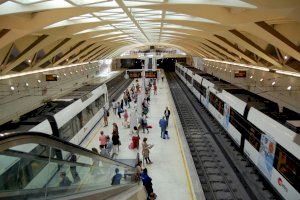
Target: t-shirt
(116, 179)
(102, 139)
(115, 139)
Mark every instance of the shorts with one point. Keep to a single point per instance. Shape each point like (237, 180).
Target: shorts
(103, 146)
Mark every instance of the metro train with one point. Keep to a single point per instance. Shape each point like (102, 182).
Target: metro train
(71, 118)
(269, 138)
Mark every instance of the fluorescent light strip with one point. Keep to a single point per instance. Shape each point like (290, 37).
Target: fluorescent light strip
(239, 64)
(289, 73)
(41, 70)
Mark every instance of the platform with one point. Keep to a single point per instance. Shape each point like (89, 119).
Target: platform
(171, 178)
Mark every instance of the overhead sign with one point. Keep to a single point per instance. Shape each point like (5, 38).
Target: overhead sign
(151, 74)
(134, 74)
(51, 77)
(240, 74)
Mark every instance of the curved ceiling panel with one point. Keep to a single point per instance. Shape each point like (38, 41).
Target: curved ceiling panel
(48, 33)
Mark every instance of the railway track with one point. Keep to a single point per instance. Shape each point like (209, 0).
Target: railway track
(223, 171)
(117, 86)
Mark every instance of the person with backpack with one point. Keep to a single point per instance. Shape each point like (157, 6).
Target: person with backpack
(167, 114)
(147, 182)
(163, 126)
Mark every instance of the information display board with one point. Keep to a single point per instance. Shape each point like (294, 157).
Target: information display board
(134, 74)
(51, 77)
(150, 74)
(240, 74)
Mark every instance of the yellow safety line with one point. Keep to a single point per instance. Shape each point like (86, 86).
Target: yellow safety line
(188, 176)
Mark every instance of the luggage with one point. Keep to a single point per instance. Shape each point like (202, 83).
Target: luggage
(149, 126)
(166, 135)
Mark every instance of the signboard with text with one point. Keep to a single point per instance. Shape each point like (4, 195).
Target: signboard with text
(134, 74)
(51, 77)
(240, 74)
(150, 74)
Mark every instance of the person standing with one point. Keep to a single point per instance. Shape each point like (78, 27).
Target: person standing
(116, 179)
(109, 145)
(147, 182)
(167, 115)
(119, 110)
(139, 171)
(162, 78)
(73, 170)
(115, 140)
(155, 89)
(65, 181)
(125, 98)
(163, 126)
(135, 138)
(126, 123)
(114, 106)
(105, 116)
(102, 140)
(146, 151)
(144, 123)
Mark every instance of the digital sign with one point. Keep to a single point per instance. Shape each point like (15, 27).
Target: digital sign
(151, 74)
(240, 74)
(51, 77)
(134, 74)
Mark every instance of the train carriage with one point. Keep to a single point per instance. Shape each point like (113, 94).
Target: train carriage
(271, 145)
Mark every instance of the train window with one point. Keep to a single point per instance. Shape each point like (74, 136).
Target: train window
(216, 102)
(200, 88)
(76, 125)
(188, 78)
(251, 133)
(288, 166)
(85, 116)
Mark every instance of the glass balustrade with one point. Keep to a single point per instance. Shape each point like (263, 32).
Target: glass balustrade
(44, 171)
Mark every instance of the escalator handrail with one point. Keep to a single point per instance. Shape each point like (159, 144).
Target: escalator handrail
(9, 140)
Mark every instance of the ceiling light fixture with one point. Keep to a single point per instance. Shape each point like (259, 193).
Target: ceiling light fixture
(65, 74)
(39, 81)
(251, 76)
(26, 84)
(289, 87)
(286, 57)
(273, 83)
(261, 79)
(12, 88)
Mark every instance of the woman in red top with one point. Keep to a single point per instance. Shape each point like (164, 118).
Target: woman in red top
(125, 118)
(102, 140)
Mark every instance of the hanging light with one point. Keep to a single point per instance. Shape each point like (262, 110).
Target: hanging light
(39, 81)
(289, 87)
(12, 88)
(251, 76)
(273, 83)
(261, 79)
(26, 84)
(65, 74)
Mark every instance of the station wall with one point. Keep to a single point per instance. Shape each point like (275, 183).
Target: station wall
(24, 98)
(257, 81)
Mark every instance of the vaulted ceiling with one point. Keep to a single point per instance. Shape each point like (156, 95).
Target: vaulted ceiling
(37, 34)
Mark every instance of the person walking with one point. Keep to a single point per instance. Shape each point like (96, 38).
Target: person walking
(65, 181)
(135, 138)
(163, 126)
(125, 98)
(146, 151)
(105, 116)
(167, 115)
(147, 182)
(115, 140)
(114, 106)
(162, 78)
(144, 123)
(102, 140)
(95, 161)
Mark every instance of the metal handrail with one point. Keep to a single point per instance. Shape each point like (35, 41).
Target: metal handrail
(9, 140)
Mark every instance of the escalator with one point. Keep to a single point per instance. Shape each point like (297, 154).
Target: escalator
(68, 171)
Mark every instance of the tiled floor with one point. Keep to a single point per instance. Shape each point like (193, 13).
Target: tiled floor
(168, 173)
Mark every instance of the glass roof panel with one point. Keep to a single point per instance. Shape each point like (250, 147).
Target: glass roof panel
(229, 3)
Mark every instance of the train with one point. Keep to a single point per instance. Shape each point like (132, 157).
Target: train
(71, 118)
(267, 136)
